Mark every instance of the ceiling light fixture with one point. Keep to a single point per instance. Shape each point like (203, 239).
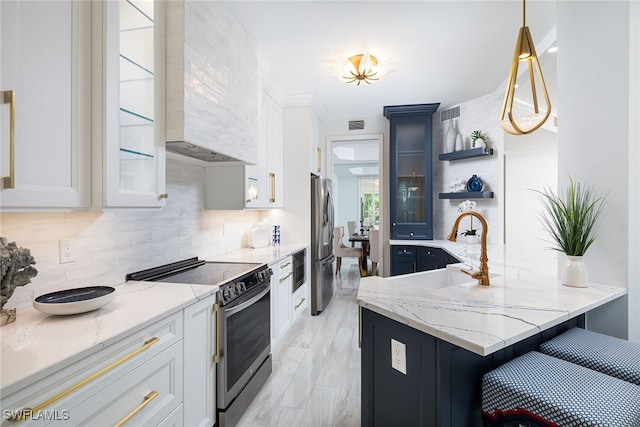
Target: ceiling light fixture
(524, 51)
(362, 67)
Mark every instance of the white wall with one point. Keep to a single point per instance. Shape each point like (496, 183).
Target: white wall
(347, 201)
(108, 245)
(634, 173)
(531, 163)
(593, 137)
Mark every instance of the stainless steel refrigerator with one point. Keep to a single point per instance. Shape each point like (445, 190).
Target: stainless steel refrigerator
(321, 243)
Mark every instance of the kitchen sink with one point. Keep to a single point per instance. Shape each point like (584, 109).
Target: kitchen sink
(436, 279)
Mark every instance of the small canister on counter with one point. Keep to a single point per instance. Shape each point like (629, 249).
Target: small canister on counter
(276, 235)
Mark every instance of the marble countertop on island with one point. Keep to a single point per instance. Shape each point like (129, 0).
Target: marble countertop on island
(524, 298)
(39, 344)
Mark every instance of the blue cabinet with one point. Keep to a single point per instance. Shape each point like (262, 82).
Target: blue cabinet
(410, 259)
(411, 169)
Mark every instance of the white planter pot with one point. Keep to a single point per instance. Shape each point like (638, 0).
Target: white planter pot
(574, 272)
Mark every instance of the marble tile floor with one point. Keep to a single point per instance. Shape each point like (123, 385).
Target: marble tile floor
(316, 367)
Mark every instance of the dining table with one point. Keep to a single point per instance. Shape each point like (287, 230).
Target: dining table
(364, 242)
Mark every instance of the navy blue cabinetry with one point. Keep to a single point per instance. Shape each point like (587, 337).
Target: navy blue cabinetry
(410, 259)
(410, 170)
(441, 385)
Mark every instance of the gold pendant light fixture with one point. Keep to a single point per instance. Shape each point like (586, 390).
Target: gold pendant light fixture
(525, 51)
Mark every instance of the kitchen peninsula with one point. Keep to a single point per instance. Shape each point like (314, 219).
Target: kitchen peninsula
(442, 331)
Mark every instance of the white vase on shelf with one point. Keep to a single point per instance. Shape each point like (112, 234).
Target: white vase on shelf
(459, 145)
(574, 272)
(449, 138)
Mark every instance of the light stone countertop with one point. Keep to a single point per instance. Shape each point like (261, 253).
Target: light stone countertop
(39, 344)
(266, 255)
(525, 297)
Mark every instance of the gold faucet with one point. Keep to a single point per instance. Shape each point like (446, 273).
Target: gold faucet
(483, 274)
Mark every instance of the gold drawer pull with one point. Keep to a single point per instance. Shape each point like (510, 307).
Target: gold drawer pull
(24, 413)
(9, 97)
(272, 179)
(319, 157)
(216, 308)
(285, 265)
(147, 399)
(298, 304)
(286, 277)
(163, 196)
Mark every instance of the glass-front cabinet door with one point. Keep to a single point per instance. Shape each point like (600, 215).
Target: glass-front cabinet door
(411, 170)
(134, 104)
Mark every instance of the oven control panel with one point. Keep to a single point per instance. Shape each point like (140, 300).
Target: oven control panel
(236, 287)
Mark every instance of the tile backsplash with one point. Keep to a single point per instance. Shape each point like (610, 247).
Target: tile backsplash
(108, 245)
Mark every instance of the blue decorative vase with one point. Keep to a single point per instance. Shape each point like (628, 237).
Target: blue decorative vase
(474, 184)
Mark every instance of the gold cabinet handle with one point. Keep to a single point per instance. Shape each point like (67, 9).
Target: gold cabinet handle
(216, 308)
(9, 97)
(299, 304)
(319, 159)
(272, 178)
(285, 265)
(163, 196)
(147, 399)
(23, 413)
(286, 277)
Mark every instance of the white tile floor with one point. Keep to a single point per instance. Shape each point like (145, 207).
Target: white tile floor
(316, 368)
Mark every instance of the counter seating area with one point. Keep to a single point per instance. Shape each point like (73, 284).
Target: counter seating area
(578, 378)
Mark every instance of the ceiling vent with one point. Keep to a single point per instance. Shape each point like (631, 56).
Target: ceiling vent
(451, 113)
(356, 124)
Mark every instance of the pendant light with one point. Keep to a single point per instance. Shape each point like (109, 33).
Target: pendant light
(525, 51)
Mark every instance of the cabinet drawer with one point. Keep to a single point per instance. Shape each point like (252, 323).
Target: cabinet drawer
(156, 384)
(299, 300)
(73, 384)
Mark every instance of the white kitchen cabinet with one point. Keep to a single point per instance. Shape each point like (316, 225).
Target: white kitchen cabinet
(129, 107)
(317, 146)
(265, 180)
(45, 79)
(281, 283)
(200, 330)
(105, 387)
(299, 301)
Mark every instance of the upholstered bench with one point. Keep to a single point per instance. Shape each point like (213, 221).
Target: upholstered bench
(539, 390)
(609, 355)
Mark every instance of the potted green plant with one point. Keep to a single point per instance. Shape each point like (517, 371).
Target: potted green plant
(572, 221)
(478, 139)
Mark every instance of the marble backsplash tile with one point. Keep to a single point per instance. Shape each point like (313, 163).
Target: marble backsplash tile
(108, 245)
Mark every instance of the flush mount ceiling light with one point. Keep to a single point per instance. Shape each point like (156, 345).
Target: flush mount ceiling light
(525, 51)
(359, 68)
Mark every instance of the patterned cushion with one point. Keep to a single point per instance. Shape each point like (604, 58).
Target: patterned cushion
(557, 392)
(602, 353)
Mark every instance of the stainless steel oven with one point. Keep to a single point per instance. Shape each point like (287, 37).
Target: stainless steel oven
(299, 269)
(243, 314)
(245, 346)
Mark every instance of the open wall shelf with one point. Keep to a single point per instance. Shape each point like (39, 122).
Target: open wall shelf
(467, 195)
(466, 154)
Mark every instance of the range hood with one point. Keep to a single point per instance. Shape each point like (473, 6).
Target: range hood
(203, 154)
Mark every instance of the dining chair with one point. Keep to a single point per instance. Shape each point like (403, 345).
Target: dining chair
(341, 250)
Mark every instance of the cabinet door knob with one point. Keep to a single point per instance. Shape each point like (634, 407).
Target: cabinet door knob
(411, 234)
(393, 223)
(163, 196)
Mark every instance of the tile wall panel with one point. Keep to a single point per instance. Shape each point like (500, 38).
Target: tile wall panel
(108, 245)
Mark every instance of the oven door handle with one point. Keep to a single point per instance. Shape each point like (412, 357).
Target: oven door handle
(246, 304)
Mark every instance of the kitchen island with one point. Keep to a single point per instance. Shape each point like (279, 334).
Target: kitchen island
(442, 331)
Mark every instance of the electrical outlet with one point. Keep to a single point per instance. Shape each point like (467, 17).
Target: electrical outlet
(66, 251)
(399, 356)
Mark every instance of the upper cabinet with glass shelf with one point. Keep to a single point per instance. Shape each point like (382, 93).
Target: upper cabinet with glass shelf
(132, 99)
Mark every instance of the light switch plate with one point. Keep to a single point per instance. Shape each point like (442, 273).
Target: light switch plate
(399, 356)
